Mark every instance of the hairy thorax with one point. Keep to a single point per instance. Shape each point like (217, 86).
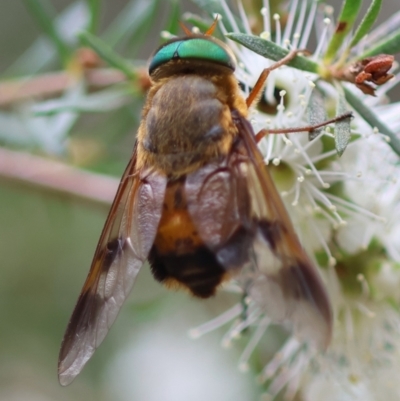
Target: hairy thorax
(187, 122)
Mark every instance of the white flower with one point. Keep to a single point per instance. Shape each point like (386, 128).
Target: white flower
(347, 214)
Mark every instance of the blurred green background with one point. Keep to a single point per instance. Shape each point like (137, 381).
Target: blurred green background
(47, 242)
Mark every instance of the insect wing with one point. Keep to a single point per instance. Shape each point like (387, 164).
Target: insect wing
(240, 216)
(290, 287)
(125, 242)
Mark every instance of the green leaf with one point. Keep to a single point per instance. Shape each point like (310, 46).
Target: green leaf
(272, 51)
(131, 20)
(345, 22)
(316, 112)
(43, 12)
(384, 30)
(173, 18)
(342, 128)
(211, 6)
(13, 130)
(391, 45)
(47, 133)
(105, 100)
(38, 56)
(106, 53)
(367, 22)
(94, 8)
(372, 119)
(42, 53)
(50, 132)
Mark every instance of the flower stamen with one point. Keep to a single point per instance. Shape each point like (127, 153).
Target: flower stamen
(217, 322)
(252, 344)
(308, 26)
(266, 16)
(290, 21)
(322, 43)
(278, 32)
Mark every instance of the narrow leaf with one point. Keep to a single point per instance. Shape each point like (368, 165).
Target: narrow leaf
(95, 9)
(367, 22)
(13, 131)
(133, 18)
(174, 18)
(51, 131)
(384, 30)
(105, 100)
(342, 128)
(372, 119)
(391, 45)
(106, 53)
(272, 51)
(316, 112)
(42, 11)
(41, 53)
(211, 6)
(345, 22)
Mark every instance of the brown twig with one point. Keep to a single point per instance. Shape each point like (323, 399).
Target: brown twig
(52, 84)
(57, 178)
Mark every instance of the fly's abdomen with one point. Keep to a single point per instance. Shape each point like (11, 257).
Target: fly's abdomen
(179, 257)
(198, 270)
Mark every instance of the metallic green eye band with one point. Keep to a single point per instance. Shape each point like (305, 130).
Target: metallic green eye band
(193, 48)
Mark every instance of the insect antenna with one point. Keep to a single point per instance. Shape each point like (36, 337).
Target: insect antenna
(185, 29)
(211, 29)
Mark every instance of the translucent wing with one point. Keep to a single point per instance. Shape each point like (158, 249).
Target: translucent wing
(123, 247)
(240, 216)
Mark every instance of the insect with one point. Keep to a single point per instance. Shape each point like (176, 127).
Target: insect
(197, 202)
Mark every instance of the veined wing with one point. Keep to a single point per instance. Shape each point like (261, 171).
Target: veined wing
(240, 216)
(290, 287)
(125, 242)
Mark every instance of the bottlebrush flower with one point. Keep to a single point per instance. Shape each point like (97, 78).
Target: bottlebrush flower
(346, 209)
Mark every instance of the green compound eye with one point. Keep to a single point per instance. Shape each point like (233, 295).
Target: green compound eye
(194, 48)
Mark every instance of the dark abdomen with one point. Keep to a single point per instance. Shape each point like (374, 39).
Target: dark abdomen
(179, 257)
